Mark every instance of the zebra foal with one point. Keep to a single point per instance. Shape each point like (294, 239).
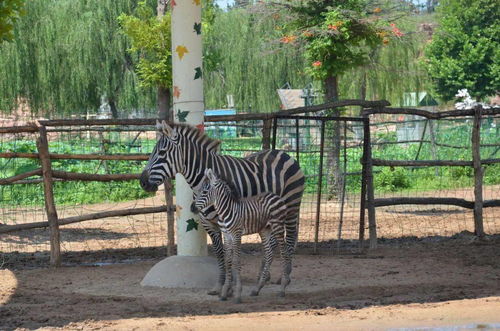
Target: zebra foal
(263, 214)
(186, 150)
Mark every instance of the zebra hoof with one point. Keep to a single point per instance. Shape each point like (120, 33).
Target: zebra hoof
(281, 294)
(223, 298)
(254, 293)
(237, 300)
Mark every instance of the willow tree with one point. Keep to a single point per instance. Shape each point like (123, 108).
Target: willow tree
(10, 11)
(66, 55)
(393, 68)
(243, 59)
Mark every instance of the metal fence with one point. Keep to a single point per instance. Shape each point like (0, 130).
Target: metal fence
(415, 177)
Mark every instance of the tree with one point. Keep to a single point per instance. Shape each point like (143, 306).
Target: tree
(465, 50)
(336, 36)
(10, 11)
(66, 55)
(240, 59)
(151, 41)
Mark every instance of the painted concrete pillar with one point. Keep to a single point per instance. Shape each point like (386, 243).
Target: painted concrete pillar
(188, 108)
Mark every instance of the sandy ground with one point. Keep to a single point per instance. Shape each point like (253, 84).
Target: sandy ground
(149, 230)
(449, 282)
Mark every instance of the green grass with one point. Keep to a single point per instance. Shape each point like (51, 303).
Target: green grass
(386, 179)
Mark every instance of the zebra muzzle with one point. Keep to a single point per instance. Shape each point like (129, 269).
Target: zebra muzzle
(146, 184)
(194, 209)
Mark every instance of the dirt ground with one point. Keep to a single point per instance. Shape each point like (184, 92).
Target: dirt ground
(149, 230)
(409, 284)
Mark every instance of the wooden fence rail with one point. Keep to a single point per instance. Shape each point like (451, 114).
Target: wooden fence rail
(87, 217)
(269, 125)
(49, 176)
(56, 156)
(477, 163)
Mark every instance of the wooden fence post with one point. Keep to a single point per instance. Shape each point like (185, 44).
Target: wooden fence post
(169, 199)
(364, 162)
(478, 172)
(266, 133)
(372, 224)
(48, 190)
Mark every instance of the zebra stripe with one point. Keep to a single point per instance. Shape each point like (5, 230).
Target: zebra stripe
(263, 214)
(185, 150)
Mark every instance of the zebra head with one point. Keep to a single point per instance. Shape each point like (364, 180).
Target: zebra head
(165, 160)
(206, 197)
(214, 188)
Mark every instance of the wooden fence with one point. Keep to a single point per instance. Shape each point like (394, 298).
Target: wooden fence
(477, 163)
(368, 202)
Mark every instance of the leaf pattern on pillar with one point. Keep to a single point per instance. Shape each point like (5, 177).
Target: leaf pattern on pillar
(177, 92)
(181, 50)
(191, 224)
(181, 115)
(197, 73)
(197, 28)
(201, 127)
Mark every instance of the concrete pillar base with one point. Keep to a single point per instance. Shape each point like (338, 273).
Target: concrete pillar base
(183, 272)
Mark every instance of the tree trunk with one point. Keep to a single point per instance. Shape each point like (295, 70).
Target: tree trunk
(362, 89)
(114, 110)
(334, 180)
(163, 103)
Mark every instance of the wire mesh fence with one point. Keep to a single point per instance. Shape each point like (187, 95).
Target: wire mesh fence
(24, 202)
(417, 138)
(328, 149)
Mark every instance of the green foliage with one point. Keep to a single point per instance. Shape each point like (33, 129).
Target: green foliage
(10, 11)
(336, 36)
(73, 192)
(392, 179)
(465, 51)
(151, 42)
(66, 55)
(239, 59)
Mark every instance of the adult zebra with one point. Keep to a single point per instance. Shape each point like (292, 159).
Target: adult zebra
(186, 150)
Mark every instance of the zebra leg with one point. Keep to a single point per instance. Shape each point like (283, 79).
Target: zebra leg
(215, 234)
(292, 234)
(272, 243)
(278, 232)
(265, 273)
(236, 257)
(228, 256)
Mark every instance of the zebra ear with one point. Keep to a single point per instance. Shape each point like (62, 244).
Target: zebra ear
(164, 128)
(210, 174)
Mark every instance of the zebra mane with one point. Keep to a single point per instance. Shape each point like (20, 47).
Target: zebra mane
(193, 134)
(231, 189)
